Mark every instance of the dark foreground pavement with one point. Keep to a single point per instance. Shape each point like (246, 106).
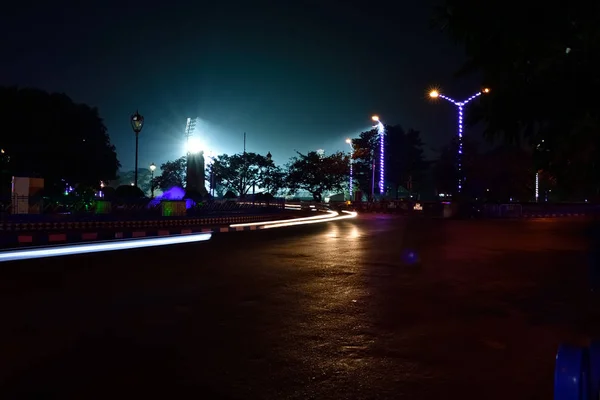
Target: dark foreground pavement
(318, 312)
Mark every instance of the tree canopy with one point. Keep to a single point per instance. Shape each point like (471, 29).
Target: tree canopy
(172, 174)
(540, 63)
(317, 173)
(242, 172)
(48, 135)
(404, 160)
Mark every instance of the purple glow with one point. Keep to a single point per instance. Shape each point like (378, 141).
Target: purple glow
(175, 193)
(381, 130)
(350, 189)
(460, 105)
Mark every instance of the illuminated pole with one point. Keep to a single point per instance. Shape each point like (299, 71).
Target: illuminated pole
(350, 188)
(381, 132)
(137, 123)
(152, 168)
(537, 186)
(461, 107)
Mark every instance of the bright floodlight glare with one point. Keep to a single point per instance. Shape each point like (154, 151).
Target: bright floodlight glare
(486, 90)
(100, 247)
(434, 94)
(375, 118)
(349, 141)
(194, 145)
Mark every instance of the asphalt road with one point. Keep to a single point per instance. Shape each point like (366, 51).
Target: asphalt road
(328, 311)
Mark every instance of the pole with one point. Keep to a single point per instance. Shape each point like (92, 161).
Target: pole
(135, 180)
(373, 178)
(152, 183)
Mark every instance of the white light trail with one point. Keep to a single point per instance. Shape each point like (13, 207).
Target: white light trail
(337, 217)
(127, 244)
(261, 223)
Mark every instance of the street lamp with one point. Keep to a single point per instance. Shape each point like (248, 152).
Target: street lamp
(137, 122)
(269, 159)
(434, 94)
(350, 188)
(381, 131)
(152, 168)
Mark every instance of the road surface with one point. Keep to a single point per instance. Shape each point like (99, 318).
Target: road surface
(331, 311)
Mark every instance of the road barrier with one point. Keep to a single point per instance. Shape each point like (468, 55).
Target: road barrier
(577, 372)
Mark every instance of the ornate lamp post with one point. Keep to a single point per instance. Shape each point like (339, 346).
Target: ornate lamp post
(152, 168)
(137, 122)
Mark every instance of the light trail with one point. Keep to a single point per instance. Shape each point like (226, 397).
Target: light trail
(337, 217)
(15, 255)
(303, 219)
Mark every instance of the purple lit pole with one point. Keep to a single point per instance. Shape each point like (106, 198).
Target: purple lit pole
(460, 106)
(350, 187)
(381, 131)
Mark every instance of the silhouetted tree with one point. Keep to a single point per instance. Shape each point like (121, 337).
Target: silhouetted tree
(243, 172)
(317, 173)
(404, 160)
(48, 135)
(172, 174)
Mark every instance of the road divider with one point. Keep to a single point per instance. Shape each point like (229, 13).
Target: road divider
(123, 244)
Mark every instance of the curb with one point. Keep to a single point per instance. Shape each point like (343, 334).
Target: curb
(41, 238)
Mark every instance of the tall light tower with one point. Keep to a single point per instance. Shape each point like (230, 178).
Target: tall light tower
(460, 105)
(351, 187)
(381, 132)
(190, 127)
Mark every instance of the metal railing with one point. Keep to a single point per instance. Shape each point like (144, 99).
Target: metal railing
(32, 208)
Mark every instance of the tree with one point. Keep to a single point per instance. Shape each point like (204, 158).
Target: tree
(404, 160)
(172, 174)
(49, 136)
(127, 177)
(364, 150)
(405, 163)
(539, 62)
(317, 173)
(243, 172)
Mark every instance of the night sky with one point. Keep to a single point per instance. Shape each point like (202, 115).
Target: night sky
(301, 74)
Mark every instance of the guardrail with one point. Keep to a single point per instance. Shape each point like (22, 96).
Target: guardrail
(98, 209)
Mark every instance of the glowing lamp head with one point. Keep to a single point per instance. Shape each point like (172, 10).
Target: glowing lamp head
(152, 167)
(375, 118)
(485, 90)
(194, 146)
(434, 94)
(349, 141)
(137, 122)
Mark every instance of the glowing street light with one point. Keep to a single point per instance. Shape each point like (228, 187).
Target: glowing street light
(152, 169)
(434, 94)
(137, 123)
(350, 188)
(381, 131)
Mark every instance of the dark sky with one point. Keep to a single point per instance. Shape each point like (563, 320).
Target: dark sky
(301, 74)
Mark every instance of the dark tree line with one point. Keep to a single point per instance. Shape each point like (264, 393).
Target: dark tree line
(48, 135)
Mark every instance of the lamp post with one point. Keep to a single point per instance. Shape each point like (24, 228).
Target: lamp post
(381, 132)
(460, 105)
(269, 159)
(152, 168)
(350, 187)
(137, 122)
